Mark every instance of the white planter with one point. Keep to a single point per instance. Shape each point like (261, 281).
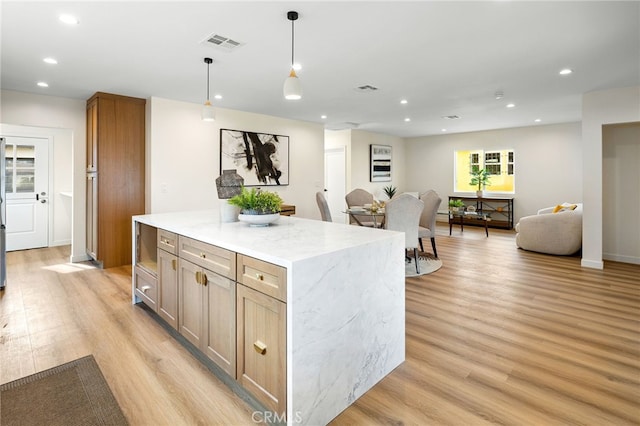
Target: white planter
(228, 213)
(259, 219)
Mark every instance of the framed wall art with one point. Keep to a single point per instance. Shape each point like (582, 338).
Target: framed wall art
(261, 159)
(380, 158)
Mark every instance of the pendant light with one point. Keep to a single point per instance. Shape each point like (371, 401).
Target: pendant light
(292, 88)
(208, 114)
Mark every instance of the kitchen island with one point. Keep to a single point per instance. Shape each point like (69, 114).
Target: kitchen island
(315, 314)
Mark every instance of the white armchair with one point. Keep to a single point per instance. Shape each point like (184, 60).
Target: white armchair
(552, 233)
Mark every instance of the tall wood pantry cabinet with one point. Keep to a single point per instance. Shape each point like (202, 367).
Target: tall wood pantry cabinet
(115, 175)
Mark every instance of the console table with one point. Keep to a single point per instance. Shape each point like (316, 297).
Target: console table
(499, 211)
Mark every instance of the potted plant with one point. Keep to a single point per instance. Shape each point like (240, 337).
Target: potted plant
(456, 205)
(390, 191)
(480, 179)
(257, 207)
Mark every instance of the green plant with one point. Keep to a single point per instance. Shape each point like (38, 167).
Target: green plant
(456, 203)
(256, 201)
(479, 177)
(390, 191)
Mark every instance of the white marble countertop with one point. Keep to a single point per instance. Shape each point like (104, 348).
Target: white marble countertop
(288, 240)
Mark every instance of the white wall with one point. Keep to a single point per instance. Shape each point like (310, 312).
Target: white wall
(184, 155)
(621, 192)
(358, 169)
(600, 108)
(63, 120)
(548, 162)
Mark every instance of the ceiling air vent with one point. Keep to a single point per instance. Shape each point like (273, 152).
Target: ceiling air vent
(451, 117)
(366, 88)
(222, 42)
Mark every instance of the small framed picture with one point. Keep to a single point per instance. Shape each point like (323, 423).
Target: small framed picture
(380, 158)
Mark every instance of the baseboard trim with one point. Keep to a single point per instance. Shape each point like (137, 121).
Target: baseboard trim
(621, 258)
(594, 264)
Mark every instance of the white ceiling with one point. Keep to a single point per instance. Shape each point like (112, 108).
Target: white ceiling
(445, 58)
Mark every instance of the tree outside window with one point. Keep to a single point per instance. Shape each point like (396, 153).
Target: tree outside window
(499, 163)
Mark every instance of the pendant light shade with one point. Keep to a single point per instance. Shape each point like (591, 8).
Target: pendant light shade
(208, 114)
(292, 88)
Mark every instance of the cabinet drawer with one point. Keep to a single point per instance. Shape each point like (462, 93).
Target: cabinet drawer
(168, 241)
(262, 276)
(146, 287)
(214, 258)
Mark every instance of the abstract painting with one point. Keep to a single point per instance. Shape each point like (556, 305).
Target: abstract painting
(261, 159)
(380, 163)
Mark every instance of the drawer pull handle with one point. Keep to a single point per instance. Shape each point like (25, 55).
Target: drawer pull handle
(260, 347)
(174, 264)
(204, 279)
(145, 288)
(199, 277)
(202, 255)
(260, 277)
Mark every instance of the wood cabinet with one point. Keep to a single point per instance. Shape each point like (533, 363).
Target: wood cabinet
(167, 247)
(499, 211)
(207, 301)
(115, 175)
(240, 326)
(261, 331)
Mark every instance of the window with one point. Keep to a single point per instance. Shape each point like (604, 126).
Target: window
(499, 163)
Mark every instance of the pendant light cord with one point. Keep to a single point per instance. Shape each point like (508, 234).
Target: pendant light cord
(292, 42)
(208, 66)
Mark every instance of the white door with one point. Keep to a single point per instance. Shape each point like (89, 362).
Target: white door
(335, 183)
(27, 183)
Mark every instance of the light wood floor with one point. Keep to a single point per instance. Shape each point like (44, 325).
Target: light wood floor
(497, 336)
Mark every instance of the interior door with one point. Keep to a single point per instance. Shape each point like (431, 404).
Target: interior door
(27, 192)
(335, 182)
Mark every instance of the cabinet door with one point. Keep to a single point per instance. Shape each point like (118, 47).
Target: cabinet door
(92, 136)
(92, 215)
(190, 302)
(261, 331)
(220, 338)
(168, 287)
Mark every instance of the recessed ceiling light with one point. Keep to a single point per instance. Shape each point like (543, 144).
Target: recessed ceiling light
(68, 19)
(404, 101)
(42, 84)
(444, 130)
(537, 120)
(565, 71)
(50, 61)
(407, 119)
(323, 117)
(217, 96)
(511, 105)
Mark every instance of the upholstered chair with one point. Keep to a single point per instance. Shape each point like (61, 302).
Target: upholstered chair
(323, 206)
(359, 197)
(402, 213)
(427, 228)
(554, 230)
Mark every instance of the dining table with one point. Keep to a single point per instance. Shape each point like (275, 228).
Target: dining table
(367, 215)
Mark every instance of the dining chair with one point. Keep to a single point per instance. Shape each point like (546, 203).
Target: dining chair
(359, 197)
(402, 213)
(323, 206)
(427, 228)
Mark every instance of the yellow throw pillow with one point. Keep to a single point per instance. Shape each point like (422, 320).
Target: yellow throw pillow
(564, 207)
